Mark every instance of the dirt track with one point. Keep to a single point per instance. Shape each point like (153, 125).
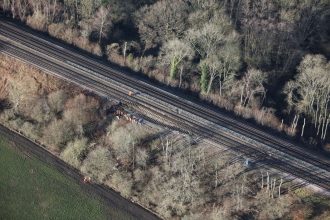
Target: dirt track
(110, 197)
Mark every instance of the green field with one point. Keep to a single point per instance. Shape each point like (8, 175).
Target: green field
(30, 189)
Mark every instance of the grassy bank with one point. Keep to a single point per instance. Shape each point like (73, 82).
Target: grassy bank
(29, 189)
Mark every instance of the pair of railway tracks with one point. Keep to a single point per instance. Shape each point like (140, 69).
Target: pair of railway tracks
(108, 82)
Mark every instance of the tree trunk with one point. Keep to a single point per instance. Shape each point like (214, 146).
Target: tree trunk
(220, 88)
(326, 129)
(267, 182)
(133, 155)
(210, 84)
(181, 70)
(273, 190)
(101, 31)
(124, 52)
(242, 91)
(279, 188)
(303, 128)
(174, 67)
(54, 9)
(216, 175)
(323, 126)
(203, 79)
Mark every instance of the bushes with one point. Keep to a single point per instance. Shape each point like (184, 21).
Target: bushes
(62, 31)
(41, 111)
(215, 214)
(58, 133)
(75, 152)
(22, 90)
(81, 110)
(273, 208)
(141, 178)
(37, 21)
(98, 164)
(141, 157)
(44, 107)
(74, 36)
(56, 30)
(125, 141)
(85, 44)
(123, 182)
(180, 195)
(7, 115)
(78, 112)
(32, 131)
(56, 101)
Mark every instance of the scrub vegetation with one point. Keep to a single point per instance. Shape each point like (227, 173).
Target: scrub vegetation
(168, 172)
(266, 60)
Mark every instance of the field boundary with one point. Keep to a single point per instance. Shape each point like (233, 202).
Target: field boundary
(107, 194)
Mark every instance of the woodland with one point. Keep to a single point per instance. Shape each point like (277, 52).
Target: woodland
(171, 174)
(266, 61)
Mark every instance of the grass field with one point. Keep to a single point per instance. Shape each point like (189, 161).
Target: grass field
(30, 189)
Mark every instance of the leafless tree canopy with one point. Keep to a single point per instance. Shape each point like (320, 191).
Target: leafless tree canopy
(158, 168)
(264, 60)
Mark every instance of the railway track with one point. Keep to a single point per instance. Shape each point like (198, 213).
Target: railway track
(205, 113)
(106, 81)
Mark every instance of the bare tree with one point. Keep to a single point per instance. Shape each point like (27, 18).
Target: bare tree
(222, 66)
(218, 46)
(161, 21)
(98, 164)
(5, 5)
(206, 41)
(56, 101)
(309, 93)
(72, 8)
(213, 67)
(75, 152)
(174, 53)
(87, 7)
(251, 85)
(103, 22)
(22, 7)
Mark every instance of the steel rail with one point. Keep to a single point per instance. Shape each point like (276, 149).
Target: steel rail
(86, 63)
(232, 142)
(98, 86)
